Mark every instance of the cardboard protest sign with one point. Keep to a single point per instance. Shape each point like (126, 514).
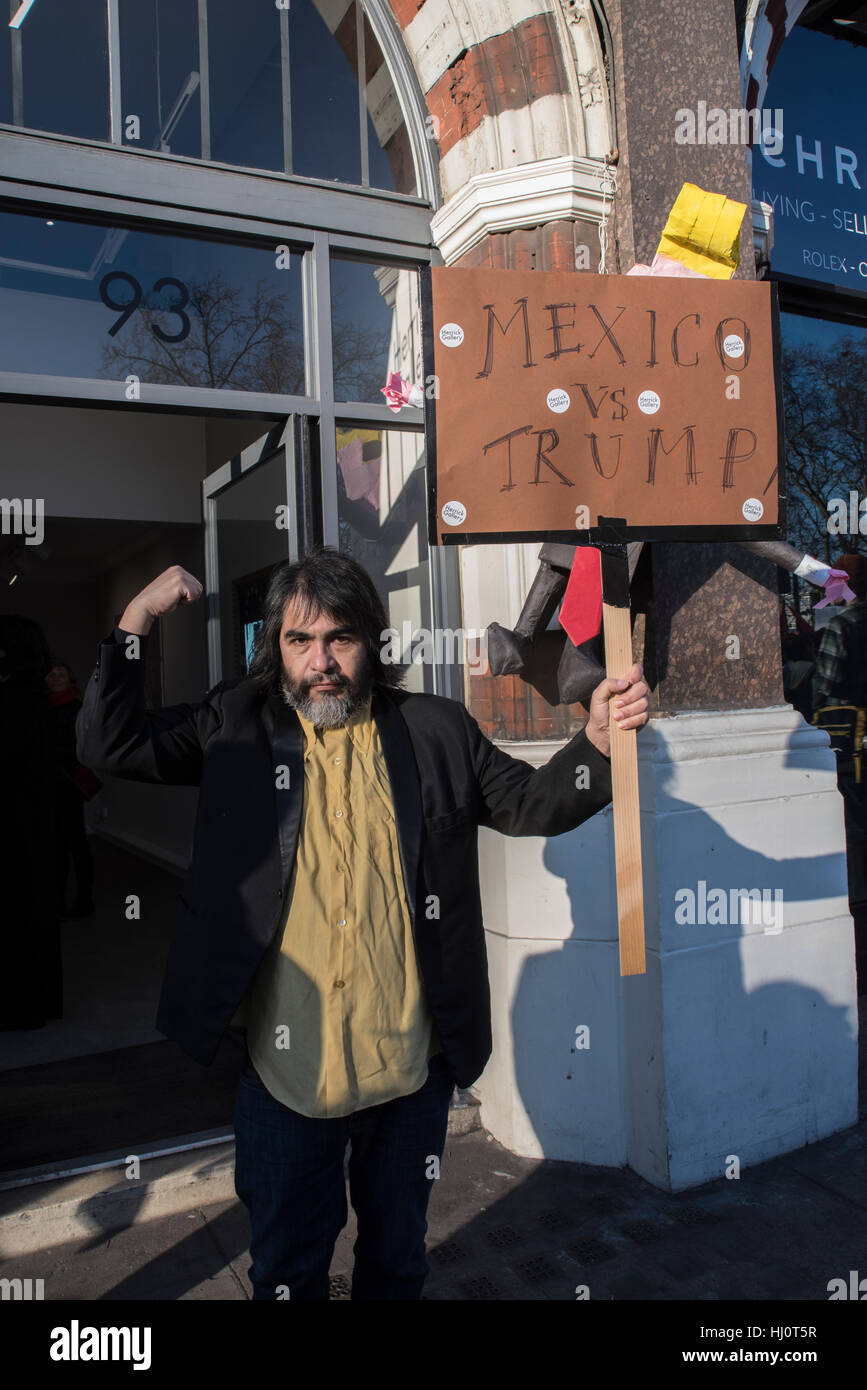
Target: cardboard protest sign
(586, 408)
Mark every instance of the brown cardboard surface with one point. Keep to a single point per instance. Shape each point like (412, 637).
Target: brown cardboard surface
(600, 343)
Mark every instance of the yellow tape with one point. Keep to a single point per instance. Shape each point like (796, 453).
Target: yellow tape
(703, 231)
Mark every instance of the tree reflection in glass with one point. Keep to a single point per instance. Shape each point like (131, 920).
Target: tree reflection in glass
(239, 338)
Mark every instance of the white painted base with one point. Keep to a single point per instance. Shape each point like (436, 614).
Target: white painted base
(740, 1041)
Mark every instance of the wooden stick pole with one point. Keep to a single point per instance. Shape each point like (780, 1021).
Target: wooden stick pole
(624, 766)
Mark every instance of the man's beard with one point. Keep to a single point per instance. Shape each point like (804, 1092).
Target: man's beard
(329, 711)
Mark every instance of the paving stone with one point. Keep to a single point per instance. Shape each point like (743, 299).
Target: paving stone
(538, 1271)
(449, 1253)
(633, 1285)
(691, 1215)
(555, 1221)
(683, 1261)
(480, 1286)
(727, 1283)
(735, 1241)
(484, 1281)
(588, 1253)
(173, 1258)
(783, 1279)
(643, 1232)
(604, 1202)
(842, 1171)
(505, 1236)
(510, 1229)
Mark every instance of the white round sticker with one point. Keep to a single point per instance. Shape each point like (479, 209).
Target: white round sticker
(558, 401)
(753, 509)
(649, 402)
(453, 513)
(451, 335)
(733, 346)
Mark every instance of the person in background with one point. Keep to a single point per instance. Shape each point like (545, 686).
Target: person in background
(65, 699)
(840, 706)
(31, 981)
(799, 665)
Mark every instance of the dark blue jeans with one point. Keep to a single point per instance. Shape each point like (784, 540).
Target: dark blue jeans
(289, 1174)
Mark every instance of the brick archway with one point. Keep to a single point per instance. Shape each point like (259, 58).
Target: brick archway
(518, 108)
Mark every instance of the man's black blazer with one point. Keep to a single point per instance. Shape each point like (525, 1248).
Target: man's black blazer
(244, 750)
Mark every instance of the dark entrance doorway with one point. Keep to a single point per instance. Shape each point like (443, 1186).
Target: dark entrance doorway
(125, 495)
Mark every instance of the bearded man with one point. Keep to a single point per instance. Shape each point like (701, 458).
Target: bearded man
(332, 909)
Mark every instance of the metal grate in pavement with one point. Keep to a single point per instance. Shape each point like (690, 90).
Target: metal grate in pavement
(449, 1253)
(480, 1287)
(536, 1270)
(555, 1220)
(504, 1236)
(591, 1252)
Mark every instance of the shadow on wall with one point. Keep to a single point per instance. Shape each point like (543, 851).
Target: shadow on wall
(750, 1064)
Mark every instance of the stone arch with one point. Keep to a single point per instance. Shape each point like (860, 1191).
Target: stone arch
(520, 109)
(767, 24)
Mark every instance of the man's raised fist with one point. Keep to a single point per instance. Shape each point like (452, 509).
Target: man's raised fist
(175, 586)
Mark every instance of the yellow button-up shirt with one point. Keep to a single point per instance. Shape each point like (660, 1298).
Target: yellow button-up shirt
(336, 1016)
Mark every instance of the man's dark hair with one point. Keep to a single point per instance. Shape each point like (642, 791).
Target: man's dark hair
(323, 581)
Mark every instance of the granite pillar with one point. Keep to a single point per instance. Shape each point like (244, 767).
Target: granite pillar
(668, 56)
(740, 1041)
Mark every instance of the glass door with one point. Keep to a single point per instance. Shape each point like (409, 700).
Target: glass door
(251, 524)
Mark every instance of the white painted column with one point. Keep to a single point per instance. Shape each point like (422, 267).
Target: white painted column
(741, 1038)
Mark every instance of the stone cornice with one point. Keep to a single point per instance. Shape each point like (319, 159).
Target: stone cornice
(526, 195)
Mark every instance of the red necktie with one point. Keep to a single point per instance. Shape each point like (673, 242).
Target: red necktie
(581, 609)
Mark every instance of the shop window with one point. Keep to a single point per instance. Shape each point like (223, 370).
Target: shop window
(813, 169)
(375, 328)
(382, 497)
(160, 76)
(55, 68)
(107, 303)
(303, 89)
(824, 371)
(381, 519)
